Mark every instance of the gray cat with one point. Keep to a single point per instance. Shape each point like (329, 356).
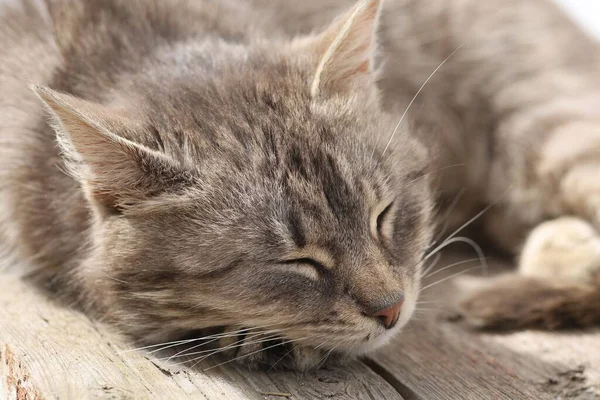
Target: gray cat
(236, 165)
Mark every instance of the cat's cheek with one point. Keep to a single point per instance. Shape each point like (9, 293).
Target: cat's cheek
(380, 340)
(98, 281)
(411, 293)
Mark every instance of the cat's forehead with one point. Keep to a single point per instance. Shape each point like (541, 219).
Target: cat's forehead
(262, 94)
(264, 110)
(262, 124)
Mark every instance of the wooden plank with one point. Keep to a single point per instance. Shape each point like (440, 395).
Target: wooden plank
(436, 358)
(48, 351)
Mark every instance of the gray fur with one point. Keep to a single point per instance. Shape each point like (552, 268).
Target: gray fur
(191, 150)
(198, 166)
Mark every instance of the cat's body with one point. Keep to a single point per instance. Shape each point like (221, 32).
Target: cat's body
(506, 85)
(232, 151)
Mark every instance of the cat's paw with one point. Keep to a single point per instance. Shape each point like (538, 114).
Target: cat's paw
(580, 188)
(566, 248)
(257, 350)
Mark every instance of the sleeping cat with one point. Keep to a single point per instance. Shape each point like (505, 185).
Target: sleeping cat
(178, 166)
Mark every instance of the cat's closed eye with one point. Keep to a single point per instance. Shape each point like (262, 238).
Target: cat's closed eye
(382, 224)
(308, 265)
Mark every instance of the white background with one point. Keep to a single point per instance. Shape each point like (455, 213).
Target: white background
(587, 12)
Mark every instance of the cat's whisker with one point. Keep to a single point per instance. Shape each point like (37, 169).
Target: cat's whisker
(463, 226)
(219, 350)
(470, 242)
(113, 278)
(234, 345)
(415, 97)
(451, 238)
(280, 358)
(252, 353)
(448, 213)
(186, 352)
(326, 356)
(319, 346)
(204, 341)
(210, 352)
(449, 277)
(466, 224)
(449, 266)
(432, 173)
(185, 341)
(433, 264)
(167, 344)
(348, 352)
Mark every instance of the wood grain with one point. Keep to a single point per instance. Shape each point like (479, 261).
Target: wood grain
(48, 351)
(436, 358)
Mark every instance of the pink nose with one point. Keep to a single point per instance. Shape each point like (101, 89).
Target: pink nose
(389, 315)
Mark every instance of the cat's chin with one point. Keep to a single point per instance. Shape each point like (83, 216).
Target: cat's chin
(375, 343)
(385, 337)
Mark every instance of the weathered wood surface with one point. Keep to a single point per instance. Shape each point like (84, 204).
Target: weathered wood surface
(48, 351)
(447, 363)
(436, 358)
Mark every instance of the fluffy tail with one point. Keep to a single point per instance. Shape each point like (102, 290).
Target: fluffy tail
(515, 301)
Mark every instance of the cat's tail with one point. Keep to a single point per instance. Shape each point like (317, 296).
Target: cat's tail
(515, 301)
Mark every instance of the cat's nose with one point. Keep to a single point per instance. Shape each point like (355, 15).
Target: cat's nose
(389, 315)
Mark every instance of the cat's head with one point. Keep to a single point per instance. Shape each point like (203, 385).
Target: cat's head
(258, 189)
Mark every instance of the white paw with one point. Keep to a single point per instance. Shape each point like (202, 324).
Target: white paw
(564, 248)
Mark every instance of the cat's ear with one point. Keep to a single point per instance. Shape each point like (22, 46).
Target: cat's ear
(114, 171)
(346, 51)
